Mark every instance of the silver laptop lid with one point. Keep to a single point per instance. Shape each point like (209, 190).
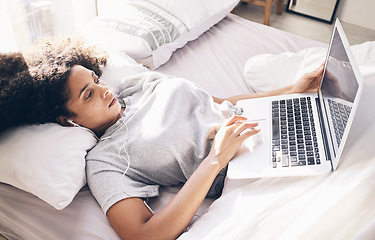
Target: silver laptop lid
(339, 93)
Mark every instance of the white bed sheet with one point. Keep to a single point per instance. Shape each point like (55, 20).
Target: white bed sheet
(247, 208)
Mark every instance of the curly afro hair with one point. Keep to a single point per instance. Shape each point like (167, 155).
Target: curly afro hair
(52, 53)
(34, 85)
(16, 90)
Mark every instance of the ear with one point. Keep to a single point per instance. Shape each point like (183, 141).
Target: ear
(63, 121)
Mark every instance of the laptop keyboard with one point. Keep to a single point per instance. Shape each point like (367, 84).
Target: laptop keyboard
(339, 115)
(294, 141)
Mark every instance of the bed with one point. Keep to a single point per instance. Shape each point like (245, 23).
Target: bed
(338, 205)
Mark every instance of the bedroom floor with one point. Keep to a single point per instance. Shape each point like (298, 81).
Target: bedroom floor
(304, 26)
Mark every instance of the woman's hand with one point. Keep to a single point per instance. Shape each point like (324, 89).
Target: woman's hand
(230, 137)
(309, 82)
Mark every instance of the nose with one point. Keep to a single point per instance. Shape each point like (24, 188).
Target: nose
(105, 91)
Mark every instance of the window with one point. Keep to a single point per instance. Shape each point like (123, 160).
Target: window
(22, 22)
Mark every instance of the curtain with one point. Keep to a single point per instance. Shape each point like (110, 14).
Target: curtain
(22, 22)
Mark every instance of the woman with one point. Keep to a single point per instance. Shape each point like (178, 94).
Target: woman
(158, 131)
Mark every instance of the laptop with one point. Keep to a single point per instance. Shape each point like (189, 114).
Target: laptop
(303, 134)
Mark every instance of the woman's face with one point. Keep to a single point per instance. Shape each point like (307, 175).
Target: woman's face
(91, 100)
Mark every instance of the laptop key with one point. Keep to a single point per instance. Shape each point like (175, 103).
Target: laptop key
(285, 160)
(275, 129)
(310, 160)
(299, 163)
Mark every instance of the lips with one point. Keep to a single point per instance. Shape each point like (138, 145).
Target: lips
(113, 102)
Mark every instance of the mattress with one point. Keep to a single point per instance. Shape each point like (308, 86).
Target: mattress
(248, 208)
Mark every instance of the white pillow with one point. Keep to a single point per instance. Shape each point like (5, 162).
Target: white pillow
(120, 66)
(151, 30)
(267, 71)
(47, 160)
(364, 53)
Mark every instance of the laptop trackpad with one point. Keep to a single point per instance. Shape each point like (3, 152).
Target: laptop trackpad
(255, 142)
(254, 155)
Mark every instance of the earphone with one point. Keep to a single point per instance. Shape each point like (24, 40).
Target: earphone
(77, 125)
(73, 123)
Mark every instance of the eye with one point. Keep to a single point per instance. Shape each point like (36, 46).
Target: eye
(97, 80)
(88, 95)
(95, 77)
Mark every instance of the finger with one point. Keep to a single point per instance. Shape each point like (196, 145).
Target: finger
(315, 73)
(245, 126)
(319, 71)
(234, 119)
(321, 68)
(245, 135)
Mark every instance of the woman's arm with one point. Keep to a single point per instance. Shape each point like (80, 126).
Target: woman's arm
(131, 219)
(308, 82)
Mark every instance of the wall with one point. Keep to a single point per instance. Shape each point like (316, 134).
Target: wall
(357, 12)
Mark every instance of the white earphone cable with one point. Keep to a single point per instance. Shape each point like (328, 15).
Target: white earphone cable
(127, 159)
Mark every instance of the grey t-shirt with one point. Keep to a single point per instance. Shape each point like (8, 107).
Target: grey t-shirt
(166, 131)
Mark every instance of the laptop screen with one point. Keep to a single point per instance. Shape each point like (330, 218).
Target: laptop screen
(338, 90)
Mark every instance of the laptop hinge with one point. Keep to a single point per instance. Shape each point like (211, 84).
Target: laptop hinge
(324, 134)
